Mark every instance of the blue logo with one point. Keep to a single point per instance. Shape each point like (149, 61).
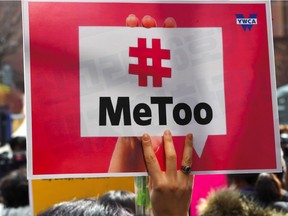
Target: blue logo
(246, 22)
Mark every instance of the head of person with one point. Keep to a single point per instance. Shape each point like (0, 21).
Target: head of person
(242, 180)
(107, 205)
(125, 199)
(87, 207)
(18, 143)
(18, 146)
(228, 201)
(14, 189)
(268, 188)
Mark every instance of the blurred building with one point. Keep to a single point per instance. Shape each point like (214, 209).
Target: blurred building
(11, 46)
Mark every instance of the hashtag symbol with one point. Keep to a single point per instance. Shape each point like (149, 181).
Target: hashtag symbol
(142, 69)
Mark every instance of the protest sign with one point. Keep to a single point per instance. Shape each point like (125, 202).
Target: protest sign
(90, 79)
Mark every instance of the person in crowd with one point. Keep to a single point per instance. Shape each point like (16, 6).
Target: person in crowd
(115, 202)
(284, 146)
(15, 192)
(247, 194)
(125, 199)
(6, 161)
(245, 183)
(283, 128)
(87, 207)
(18, 146)
(13, 155)
(229, 201)
(170, 191)
(18, 143)
(270, 193)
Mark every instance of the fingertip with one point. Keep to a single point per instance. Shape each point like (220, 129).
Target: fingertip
(148, 21)
(145, 137)
(169, 23)
(190, 136)
(132, 20)
(167, 133)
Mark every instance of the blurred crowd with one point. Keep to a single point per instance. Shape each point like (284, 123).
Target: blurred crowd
(14, 189)
(259, 194)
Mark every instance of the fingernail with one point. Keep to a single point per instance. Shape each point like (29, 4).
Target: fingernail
(145, 138)
(170, 22)
(148, 21)
(167, 133)
(189, 136)
(132, 21)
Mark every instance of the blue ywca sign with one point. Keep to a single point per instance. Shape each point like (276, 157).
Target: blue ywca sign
(246, 22)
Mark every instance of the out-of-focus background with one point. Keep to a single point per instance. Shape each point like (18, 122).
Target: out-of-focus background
(280, 35)
(12, 113)
(11, 68)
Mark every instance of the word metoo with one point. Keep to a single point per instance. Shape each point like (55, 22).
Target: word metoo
(142, 113)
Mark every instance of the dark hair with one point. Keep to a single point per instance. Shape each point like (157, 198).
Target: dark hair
(87, 207)
(14, 189)
(18, 143)
(125, 199)
(249, 178)
(268, 188)
(107, 205)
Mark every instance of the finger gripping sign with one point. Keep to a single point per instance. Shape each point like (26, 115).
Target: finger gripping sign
(93, 85)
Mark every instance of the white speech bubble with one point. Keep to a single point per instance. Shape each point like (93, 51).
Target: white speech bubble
(197, 78)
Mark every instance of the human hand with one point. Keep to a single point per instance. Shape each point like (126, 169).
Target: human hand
(128, 154)
(170, 191)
